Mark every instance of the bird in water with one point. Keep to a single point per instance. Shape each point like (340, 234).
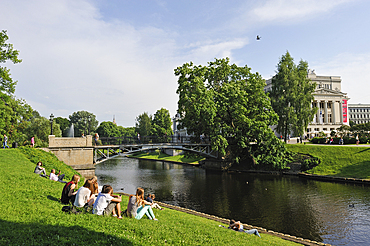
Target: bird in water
(351, 205)
(258, 37)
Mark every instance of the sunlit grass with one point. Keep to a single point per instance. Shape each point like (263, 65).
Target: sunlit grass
(339, 161)
(157, 155)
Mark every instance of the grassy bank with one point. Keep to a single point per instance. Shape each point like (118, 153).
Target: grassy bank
(338, 161)
(157, 155)
(31, 215)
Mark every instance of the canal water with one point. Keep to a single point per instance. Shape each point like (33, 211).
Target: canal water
(333, 213)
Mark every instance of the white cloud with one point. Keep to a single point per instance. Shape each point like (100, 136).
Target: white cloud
(287, 10)
(354, 70)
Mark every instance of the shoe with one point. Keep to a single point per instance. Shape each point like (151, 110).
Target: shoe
(155, 219)
(114, 215)
(119, 218)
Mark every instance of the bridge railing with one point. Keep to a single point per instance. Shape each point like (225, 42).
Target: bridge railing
(152, 139)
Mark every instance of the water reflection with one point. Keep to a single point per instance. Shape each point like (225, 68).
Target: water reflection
(310, 209)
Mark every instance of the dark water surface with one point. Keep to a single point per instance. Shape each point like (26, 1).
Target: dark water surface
(315, 210)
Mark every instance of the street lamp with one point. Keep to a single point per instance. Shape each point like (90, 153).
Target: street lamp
(51, 123)
(89, 119)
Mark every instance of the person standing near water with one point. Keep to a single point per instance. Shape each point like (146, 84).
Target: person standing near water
(96, 138)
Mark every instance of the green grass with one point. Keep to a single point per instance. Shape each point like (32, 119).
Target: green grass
(31, 215)
(338, 161)
(157, 155)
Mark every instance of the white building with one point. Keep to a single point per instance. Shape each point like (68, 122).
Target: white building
(359, 113)
(331, 102)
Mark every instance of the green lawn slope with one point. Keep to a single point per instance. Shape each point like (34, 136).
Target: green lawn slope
(338, 161)
(31, 215)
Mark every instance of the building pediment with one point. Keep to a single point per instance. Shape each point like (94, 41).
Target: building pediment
(323, 91)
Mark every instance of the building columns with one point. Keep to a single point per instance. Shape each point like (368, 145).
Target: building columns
(318, 112)
(326, 112)
(333, 112)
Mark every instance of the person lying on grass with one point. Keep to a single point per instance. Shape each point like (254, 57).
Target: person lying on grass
(137, 206)
(69, 193)
(85, 196)
(40, 170)
(150, 198)
(237, 226)
(57, 177)
(106, 203)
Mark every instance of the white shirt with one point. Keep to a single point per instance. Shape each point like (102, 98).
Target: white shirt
(82, 196)
(53, 176)
(101, 202)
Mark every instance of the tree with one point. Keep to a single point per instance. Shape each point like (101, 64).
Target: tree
(108, 129)
(126, 131)
(228, 104)
(83, 122)
(12, 111)
(7, 53)
(161, 124)
(64, 125)
(291, 96)
(143, 124)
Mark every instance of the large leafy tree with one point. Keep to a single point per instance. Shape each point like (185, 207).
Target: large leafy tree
(161, 123)
(143, 124)
(14, 113)
(83, 122)
(291, 96)
(227, 103)
(108, 129)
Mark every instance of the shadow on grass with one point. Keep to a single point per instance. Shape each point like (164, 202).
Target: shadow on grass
(53, 198)
(359, 170)
(40, 234)
(364, 150)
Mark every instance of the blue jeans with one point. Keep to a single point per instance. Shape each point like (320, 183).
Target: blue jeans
(5, 145)
(145, 210)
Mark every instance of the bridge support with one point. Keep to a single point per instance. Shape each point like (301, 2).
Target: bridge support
(75, 152)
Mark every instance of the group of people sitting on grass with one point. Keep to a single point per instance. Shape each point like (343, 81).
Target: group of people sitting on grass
(106, 203)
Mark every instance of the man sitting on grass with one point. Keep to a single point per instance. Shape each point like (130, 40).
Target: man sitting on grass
(107, 203)
(57, 177)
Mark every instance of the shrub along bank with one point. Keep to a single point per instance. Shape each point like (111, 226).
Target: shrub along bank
(31, 215)
(338, 161)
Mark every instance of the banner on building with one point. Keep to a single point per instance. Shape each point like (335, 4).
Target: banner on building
(344, 107)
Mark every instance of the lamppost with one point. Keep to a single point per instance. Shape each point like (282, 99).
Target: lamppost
(51, 123)
(89, 119)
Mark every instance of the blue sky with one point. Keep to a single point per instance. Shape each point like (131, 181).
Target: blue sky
(117, 57)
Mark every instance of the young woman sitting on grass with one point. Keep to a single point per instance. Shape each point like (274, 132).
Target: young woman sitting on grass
(137, 206)
(85, 196)
(107, 203)
(68, 193)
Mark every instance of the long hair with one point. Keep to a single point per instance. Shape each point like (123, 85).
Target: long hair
(88, 184)
(95, 185)
(75, 179)
(139, 196)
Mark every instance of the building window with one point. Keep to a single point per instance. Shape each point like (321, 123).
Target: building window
(308, 129)
(329, 118)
